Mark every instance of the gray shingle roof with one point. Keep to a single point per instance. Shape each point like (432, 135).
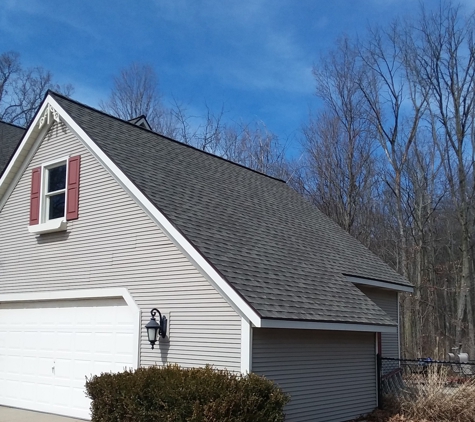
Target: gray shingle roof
(280, 253)
(10, 136)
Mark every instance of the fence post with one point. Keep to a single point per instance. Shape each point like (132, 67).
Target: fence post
(379, 365)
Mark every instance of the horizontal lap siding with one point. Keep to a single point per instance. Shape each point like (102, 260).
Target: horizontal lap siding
(331, 376)
(115, 244)
(387, 300)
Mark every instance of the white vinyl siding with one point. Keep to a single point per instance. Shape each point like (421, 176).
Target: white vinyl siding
(387, 300)
(331, 376)
(115, 244)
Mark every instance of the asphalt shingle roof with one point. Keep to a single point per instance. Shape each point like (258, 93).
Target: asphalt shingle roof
(10, 136)
(280, 253)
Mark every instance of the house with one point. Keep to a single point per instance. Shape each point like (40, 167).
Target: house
(103, 220)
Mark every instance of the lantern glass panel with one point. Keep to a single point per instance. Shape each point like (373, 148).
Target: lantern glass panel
(152, 333)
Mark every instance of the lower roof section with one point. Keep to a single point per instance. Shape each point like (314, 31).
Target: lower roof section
(331, 326)
(381, 284)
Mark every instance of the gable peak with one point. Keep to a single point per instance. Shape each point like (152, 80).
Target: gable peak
(48, 116)
(141, 121)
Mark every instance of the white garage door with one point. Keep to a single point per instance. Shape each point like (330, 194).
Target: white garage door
(48, 348)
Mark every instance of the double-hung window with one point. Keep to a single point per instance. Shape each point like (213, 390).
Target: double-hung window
(54, 195)
(55, 191)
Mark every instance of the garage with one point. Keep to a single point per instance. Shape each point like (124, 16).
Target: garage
(48, 347)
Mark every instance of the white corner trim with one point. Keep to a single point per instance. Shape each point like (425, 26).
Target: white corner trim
(382, 284)
(246, 346)
(331, 326)
(51, 226)
(398, 326)
(84, 294)
(376, 366)
(215, 278)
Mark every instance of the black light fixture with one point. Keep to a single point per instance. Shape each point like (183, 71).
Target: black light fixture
(155, 328)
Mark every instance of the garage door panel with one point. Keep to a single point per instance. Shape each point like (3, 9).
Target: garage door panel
(43, 366)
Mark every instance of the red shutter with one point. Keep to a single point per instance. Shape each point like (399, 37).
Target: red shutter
(35, 196)
(72, 188)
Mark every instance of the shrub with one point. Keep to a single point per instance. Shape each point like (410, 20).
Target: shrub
(440, 399)
(436, 397)
(173, 394)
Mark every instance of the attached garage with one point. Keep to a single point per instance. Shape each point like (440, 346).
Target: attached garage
(330, 375)
(48, 347)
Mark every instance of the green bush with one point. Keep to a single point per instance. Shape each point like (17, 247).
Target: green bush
(173, 394)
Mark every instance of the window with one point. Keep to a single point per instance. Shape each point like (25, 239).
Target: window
(54, 195)
(55, 192)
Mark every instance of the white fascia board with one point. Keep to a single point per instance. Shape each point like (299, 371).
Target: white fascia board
(246, 347)
(213, 276)
(100, 293)
(330, 326)
(22, 157)
(381, 284)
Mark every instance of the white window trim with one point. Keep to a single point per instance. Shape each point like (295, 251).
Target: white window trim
(51, 226)
(56, 224)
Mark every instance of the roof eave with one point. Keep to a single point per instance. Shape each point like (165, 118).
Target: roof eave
(326, 325)
(407, 288)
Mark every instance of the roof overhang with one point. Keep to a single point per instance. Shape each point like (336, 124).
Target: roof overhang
(380, 284)
(49, 112)
(324, 325)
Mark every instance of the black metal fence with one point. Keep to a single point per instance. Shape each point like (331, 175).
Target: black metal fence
(417, 377)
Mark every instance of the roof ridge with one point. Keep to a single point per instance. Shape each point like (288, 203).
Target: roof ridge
(53, 93)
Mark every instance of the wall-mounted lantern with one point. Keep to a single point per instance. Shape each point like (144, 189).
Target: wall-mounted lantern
(154, 328)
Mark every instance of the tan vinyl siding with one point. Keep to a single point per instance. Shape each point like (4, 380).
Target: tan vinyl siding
(330, 375)
(387, 300)
(115, 244)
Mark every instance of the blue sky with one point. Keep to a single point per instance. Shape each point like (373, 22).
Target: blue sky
(254, 57)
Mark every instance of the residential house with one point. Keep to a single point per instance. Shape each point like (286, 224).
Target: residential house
(103, 220)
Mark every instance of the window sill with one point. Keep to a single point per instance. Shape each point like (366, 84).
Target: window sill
(51, 226)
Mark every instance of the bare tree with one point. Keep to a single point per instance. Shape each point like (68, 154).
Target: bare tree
(339, 143)
(135, 92)
(23, 89)
(445, 65)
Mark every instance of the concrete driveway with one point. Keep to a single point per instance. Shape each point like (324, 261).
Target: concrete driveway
(10, 414)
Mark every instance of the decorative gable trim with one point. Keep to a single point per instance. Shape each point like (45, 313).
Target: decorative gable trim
(49, 115)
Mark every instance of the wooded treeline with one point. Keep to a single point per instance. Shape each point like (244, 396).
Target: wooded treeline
(389, 156)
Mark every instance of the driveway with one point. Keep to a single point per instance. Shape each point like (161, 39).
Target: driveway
(10, 414)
